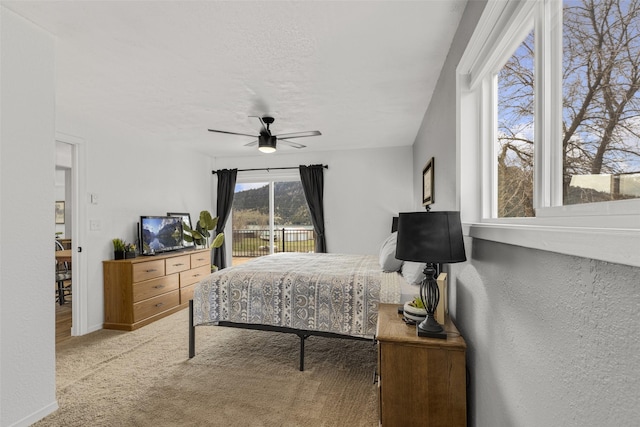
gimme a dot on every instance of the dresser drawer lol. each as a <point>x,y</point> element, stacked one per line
<point>186,293</point>
<point>200,259</point>
<point>155,305</point>
<point>148,270</point>
<point>194,276</point>
<point>155,287</point>
<point>177,264</point>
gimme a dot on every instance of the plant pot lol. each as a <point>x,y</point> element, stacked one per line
<point>128,255</point>
<point>118,254</point>
<point>414,313</point>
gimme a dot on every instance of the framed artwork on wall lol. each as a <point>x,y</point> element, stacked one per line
<point>186,219</point>
<point>59,212</point>
<point>427,184</point>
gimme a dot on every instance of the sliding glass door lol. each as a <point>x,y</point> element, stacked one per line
<point>270,217</point>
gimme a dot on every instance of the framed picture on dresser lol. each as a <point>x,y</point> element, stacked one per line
<point>427,183</point>
<point>186,219</point>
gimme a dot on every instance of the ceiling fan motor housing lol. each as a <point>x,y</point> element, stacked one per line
<point>267,143</point>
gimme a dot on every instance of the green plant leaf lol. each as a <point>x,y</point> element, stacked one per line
<point>207,221</point>
<point>214,223</point>
<point>217,242</point>
<point>118,244</point>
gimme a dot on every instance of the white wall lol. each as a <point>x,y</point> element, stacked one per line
<point>552,339</point>
<point>27,123</point>
<point>363,190</point>
<point>121,166</point>
<point>130,178</point>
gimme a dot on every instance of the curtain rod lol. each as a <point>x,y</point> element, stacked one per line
<point>268,169</point>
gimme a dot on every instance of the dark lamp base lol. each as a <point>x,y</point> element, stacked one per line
<point>429,327</point>
<point>431,334</point>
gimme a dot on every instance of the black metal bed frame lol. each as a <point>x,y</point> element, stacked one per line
<point>302,334</point>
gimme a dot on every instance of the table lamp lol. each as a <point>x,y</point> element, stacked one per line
<point>430,238</point>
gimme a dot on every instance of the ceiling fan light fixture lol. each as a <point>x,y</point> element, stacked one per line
<point>267,144</point>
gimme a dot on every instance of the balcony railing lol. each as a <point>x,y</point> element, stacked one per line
<point>255,242</point>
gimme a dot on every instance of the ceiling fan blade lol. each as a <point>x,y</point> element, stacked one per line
<point>291,143</point>
<point>252,143</point>
<point>299,134</point>
<point>232,133</point>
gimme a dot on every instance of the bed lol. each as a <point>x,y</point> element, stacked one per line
<point>307,294</point>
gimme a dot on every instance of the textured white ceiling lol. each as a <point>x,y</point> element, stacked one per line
<point>361,72</point>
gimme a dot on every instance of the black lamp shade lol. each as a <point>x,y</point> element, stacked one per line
<point>430,237</point>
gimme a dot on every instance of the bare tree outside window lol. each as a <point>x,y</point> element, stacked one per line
<point>601,109</point>
<point>515,133</point>
<point>601,104</point>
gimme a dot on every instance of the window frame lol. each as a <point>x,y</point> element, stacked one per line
<point>608,231</point>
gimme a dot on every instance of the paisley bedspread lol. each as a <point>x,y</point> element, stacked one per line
<point>336,293</point>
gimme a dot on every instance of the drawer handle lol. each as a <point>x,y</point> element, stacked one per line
<point>375,376</point>
<point>158,287</point>
<point>151,270</point>
<point>160,304</point>
<point>196,275</point>
<point>178,264</point>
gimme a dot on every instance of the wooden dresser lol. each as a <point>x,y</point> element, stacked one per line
<point>421,381</point>
<point>140,290</point>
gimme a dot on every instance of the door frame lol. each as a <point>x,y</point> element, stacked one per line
<point>79,289</point>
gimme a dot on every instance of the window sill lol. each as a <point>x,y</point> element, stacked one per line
<point>614,245</point>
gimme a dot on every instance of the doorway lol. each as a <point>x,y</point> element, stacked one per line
<point>70,165</point>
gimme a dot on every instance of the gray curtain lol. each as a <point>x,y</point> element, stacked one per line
<point>312,178</point>
<point>226,188</point>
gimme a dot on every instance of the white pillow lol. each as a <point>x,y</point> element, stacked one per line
<point>413,272</point>
<point>388,260</point>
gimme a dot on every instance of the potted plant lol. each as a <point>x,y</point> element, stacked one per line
<point>118,248</point>
<point>200,235</point>
<point>415,310</point>
<point>129,250</point>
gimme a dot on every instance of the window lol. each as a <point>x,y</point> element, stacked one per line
<point>515,142</point>
<point>549,101</point>
<point>601,101</point>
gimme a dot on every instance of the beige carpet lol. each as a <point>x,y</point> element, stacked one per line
<point>238,378</point>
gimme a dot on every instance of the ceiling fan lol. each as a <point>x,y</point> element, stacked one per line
<point>266,141</point>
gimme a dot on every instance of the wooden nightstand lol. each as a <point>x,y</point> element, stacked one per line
<point>421,381</point>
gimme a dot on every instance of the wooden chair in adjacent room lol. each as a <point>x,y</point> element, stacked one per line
<point>63,278</point>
